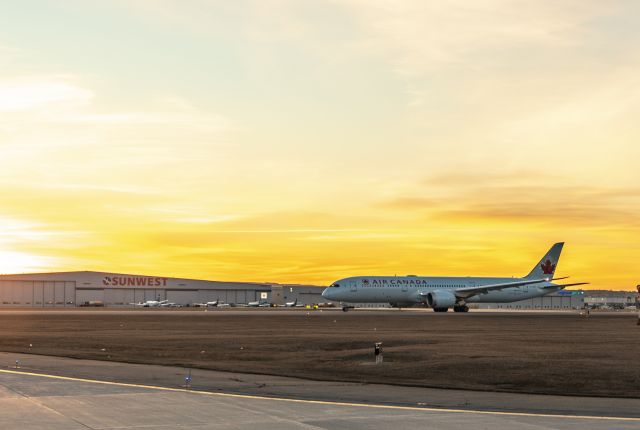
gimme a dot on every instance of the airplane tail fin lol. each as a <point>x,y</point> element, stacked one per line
<point>547,266</point>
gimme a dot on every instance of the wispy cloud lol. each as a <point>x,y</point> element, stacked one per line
<point>24,94</point>
<point>520,196</point>
<point>62,99</point>
<point>423,36</point>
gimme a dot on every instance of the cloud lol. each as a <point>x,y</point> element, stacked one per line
<point>22,262</point>
<point>56,131</point>
<point>63,100</point>
<point>8,54</point>
<point>520,197</point>
<point>409,203</point>
<point>37,93</point>
<point>423,36</point>
<point>98,188</point>
<point>25,245</point>
<point>512,177</point>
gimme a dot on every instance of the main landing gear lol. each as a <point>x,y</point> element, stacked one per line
<point>457,308</point>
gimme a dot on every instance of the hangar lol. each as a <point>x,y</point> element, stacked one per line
<point>71,289</point>
<point>563,299</point>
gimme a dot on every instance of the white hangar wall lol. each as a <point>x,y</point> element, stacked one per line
<point>70,289</point>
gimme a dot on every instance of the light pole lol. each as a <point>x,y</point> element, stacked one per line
<point>638,304</point>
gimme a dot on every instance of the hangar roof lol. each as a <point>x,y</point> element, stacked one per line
<point>92,279</point>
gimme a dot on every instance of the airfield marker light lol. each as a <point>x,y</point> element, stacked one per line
<point>378,352</point>
<point>17,364</point>
<point>187,380</point>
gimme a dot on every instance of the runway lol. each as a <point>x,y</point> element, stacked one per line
<point>29,400</point>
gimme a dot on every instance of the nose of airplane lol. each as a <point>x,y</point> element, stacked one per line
<point>326,294</point>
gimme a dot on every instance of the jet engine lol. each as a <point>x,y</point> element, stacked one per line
<point>441,299</point>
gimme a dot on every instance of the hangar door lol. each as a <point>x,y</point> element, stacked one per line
<point>144,295</point>
<point>181,297</point>
<point>85,297</point>
<point>117,297</point>
<point>241,297</point>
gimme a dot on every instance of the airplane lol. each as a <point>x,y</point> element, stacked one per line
<point>291,304</point>
<point>442,293</point>
<point>151,303</point>
<point>258,304</point>
<point>213,304</point>
<point>326,305</point>
<point>170,305</point>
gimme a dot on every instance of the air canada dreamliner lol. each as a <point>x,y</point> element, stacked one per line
<point>442,293</point>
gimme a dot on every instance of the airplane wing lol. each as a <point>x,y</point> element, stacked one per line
<point>483,289</point>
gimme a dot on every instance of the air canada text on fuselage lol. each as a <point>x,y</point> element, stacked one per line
<point>393,281</point>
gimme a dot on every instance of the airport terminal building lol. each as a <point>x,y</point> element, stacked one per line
<point>71,289</point>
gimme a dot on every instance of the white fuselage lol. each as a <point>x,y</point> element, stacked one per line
<point>410,290</point>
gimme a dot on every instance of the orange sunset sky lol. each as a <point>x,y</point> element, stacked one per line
<point>305,141</point>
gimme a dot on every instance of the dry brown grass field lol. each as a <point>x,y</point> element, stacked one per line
<point>524,352</point>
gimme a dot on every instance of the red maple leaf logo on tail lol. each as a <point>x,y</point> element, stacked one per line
<point>548,267</point>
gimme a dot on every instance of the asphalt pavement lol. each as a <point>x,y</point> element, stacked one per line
<point>60,393</point>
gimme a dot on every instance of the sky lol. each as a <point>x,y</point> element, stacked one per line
<point>305,141</point>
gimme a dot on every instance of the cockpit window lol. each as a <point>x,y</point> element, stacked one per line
<point>336,285</point>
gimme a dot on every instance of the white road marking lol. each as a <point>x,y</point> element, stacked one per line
<point>322,402</point>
